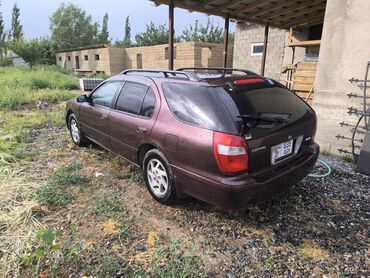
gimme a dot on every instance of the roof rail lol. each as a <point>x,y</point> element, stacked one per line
<point>166,73</point>
<point>218,69</point>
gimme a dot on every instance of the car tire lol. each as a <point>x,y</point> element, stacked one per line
<point>158,177</point>
<point>76,133</point>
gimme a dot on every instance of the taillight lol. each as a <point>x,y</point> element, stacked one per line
<point>249,81</point>
<point>231,152</point>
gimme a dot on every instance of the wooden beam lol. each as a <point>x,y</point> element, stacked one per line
<point>171,33</point>
<point>304,43</point>
<point>265,41</point>
<point>227,6</point>
<point>226,39</point>
<point>280,10</point>
<point>305,21</point>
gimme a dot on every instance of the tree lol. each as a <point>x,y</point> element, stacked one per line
<point>127,38</point>
<point>153,35</point>
<point>71,27</point>
<point>203,33</point>
<point>104,33</point>
<point>16,31</point>
<point>3,35</point>
<point>30,51</point>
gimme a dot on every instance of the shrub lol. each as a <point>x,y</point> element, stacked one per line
<point>6,62</point>
<point>40,84</point>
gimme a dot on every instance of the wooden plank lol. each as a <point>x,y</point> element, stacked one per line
<point>307,65</point>
<point>304,43</point>
<point>305,73</point>
<point>304,80</point>
<point>302,87</point>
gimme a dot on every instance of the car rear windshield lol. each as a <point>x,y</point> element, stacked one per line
<point>220,108</point>
<point>266,100</point>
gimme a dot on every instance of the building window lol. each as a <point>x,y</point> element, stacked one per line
<point>257,49</point>
<point>86,58</point>
<point>60,58</point>
<point>69,58</point>
<point>167,53</point>
<point>97,58</point>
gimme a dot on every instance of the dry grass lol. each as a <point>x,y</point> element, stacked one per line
<point>313,252</point>
<point>17,205</point>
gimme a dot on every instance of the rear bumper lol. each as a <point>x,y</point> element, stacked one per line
<point>240,191</point>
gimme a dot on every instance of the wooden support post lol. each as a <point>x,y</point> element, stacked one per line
<point>226,38</point>
<point>171,34</point>
<point>265,41</point>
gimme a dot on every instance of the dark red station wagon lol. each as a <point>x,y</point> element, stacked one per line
<point>225,136</point>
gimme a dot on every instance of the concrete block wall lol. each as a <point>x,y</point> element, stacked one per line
<point>344,52</point>
<point>114,60</point>
<point>103,64</point>
<point>246,35</point>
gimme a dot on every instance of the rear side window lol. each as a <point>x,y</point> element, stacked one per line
<point>197,105</point>
<point>136,99</point>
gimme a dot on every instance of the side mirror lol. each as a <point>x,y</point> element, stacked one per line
<point>82,98</point>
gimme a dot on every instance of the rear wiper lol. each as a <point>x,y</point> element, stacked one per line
<point>276,120</point>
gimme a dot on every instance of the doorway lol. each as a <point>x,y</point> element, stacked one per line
<point>77,61</point>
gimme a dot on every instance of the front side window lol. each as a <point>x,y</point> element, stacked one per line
<point>136,99</point>
<point>105,93</point>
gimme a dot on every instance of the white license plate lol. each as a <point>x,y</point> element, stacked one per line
<point>281,150</point>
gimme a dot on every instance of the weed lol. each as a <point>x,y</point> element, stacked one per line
<point>42,251</point>
<point>55,192</point>
<point>325,152</point>
<point>107,208</point>
<point>68,175</point>
<point>269,264</point>
<point>173,261</point>
<point>111,266</point>
<point>347,158</point>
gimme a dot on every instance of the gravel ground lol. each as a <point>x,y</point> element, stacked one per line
<point>320,227</point>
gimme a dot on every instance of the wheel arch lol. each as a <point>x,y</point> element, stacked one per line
<point>143,149</point>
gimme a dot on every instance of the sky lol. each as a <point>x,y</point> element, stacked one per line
<point>35,15</point>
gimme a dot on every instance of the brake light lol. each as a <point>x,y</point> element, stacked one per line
<point>231,152</point>
<point>249,81</point>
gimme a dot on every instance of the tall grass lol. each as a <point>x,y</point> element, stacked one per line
<point>21,85</point>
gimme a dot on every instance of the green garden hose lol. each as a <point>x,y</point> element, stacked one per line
<point>322,175</point>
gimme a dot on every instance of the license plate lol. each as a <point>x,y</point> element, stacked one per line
<point>280,151</point>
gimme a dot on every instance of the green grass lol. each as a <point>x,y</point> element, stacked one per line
<point>21,85</point>
<point>173,260</point>
<point>56,192</point>
<point>106,207</point>
<point>15,129</point>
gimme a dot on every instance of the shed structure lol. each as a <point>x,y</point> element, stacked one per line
<point>343,49</point>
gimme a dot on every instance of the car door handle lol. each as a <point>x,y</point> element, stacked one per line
<point>140,129</point>
<point>103,116</point>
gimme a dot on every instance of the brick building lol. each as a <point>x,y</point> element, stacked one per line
<point>112,60</point>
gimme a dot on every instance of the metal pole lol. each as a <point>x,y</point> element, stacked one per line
<point>265,40</point>
<point>226,38</point>
<point>171,34</point>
